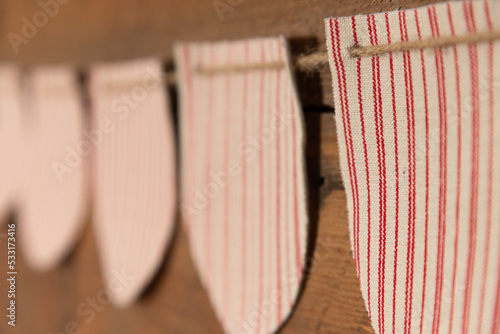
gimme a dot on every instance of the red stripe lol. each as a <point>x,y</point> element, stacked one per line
<point>286,211</point>
<point>379,127</point>
<point>347,125</point>
<point>261,198</point>
<point>442,172</point>
<point>410,113</point>
<point>208,162</point>
<point>396,167</point>
<point>490,168</point>
<point>426,225</point>
<point>495,327</point>
<point>271,244</point>
<point>360,100</point>
<point>437,294</point>
<point>227,122</point>
<point>244,184</point>
<point>459,171</point>
<point>365,151</point>
<point>383,191</point>
<point>278,188</point>
<point>471,26</point>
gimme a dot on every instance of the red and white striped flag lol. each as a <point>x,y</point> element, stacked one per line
<point>53,186</point>
<point>419,137</point>
<point>133,173</point>
<point>243,182</point>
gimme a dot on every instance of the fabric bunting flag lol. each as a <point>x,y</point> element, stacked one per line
<point>53,190</point>
<point>418,119</point>
<point>10,137</point>
<point>133,173</point>
<point>243,183</point>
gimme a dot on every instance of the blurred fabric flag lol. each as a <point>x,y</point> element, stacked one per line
<point>132,173</point>
<point>243,178</point>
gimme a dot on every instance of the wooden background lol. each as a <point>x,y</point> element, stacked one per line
<point>98,31</point>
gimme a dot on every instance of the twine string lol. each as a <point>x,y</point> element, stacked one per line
<point>317,61</point>
<point>439,42</point>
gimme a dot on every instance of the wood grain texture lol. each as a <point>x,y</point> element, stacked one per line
<point>94,30</point>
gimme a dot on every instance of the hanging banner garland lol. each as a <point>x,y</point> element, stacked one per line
<point>418,131</point>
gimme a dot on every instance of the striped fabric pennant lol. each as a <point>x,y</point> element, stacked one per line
<point>10,137</point>
<point>53,192</point>
<point>419,137</point>
<point>243,182</point>
<point>133,173</point>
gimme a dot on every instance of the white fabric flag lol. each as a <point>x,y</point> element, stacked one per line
<point>243,178</point>
<point>10,137</point>
<point>133,173</point>
<point>53,188</point>
<point>419,139</point>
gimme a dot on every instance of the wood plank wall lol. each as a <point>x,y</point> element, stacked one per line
<point>82,32</point>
